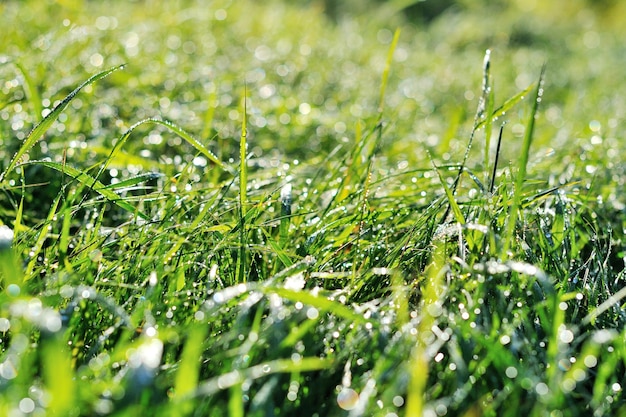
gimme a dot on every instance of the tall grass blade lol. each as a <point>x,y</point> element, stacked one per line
<point>285,214</point>
<point>41,128</point>
<point>243,185</point>
<point>383,84</point>
<point>456,210</point>
<point>419,361</point>
<point>480,112</point>
<point>186,380</point>
<point>32,93</point>
<point>59,376</point>
<point>495,162</point>
<point>41,238</point>
<point>523,162</point>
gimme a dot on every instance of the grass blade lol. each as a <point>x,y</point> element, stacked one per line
<point>523,162</point>
<point>41,238</point>
<point>41,128</point>
<point>194,142</point>
<point>92,182</point>
<point>456,210</point>
<point>383,84</point>
<point>508,105</point>
<point>135,180</point>
<point>31,90</point>
<point>243,198</point>
<point>259,371</point>
<point>172,127</point>
<point>320,302</point>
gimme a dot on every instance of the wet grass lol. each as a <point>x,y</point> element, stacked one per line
<point>268,212</point>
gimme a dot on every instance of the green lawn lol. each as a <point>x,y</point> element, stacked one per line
<point>312,208</point>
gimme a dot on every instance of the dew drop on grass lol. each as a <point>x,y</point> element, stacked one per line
<point>27,405</point>
<point>347,398</point>
<point>5,324</point>
<point>590,361</point>
<point>312,313</point>
<point>542,389</point>
<point>511,372</point>
<point>566,336</point>
<point>13,290</point>
<point>564,365</point>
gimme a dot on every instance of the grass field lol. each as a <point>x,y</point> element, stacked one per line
<point>309,208</point>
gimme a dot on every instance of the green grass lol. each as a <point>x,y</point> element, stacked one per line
<point>251,208</point>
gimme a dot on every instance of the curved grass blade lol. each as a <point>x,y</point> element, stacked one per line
<point>92,182</point>
<point>137,179</point>
<point>41,128</point>
<point>172,127</point>
<point>319,302</point>
<point>232,378</point>
<point>195,143</point>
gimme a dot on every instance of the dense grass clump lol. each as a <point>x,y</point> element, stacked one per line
<point>244,208</point>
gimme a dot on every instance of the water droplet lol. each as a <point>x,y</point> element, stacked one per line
<point>590,361</point>
<point>511,372</point>
<point>13,290</point>
<point>347,398</point>
<point>27,405</point>
<point>542,389</point>
<point>312,313</point>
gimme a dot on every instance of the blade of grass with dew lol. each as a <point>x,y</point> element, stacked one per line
<point>364,209</point>
<point>188,373</point>
<point>32,93</point>
<point>320,302</point>
<point>235,400</point>
<point>64,238</point>
<point>195,143</point>
<point>232,378</point>
<point>508,105</point>
<point>495,162</point>
<point>172,127</point>
<point>207,122</point>
<point>243,198</point>
<point>58,375</point>
<point>41,238</point>
<point>343,189</point>
<point>489,120</point>
<point>41,128</point>
<point>521,171</point>
<point>456,210</point>
<point>419,361</point>
<point>90,181</point>
<point>480,111</point>
<point>383,84</point>
<point>285,215</point>
<point>133,181</point>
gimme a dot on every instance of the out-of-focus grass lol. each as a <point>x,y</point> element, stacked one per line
<point>311,252</point>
